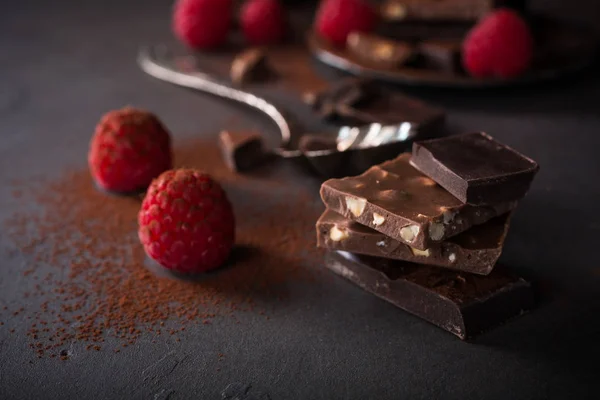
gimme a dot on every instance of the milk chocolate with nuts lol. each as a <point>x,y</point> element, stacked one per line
<point>397,200</point>
<point>475,251</point>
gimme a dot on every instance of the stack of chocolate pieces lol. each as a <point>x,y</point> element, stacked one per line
<point>424,231</point>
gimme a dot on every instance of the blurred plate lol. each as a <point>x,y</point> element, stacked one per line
<point>561,50</point>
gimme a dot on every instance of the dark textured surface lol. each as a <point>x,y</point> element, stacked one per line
<point>62,66</point>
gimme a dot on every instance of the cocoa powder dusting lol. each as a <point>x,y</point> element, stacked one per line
<point>100,284</point>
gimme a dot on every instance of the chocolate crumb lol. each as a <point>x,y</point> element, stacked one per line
<point>250,66</point>
<point>241,151</point>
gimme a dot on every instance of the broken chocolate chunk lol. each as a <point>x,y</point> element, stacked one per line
<point>250,66</point>
<point>361,102</point>
<point>378,51</point>
<point>443,10</point>
<point>416,31</point>
<point>475,168</point>
<point>241,150</point>
<point>313,142</point>
<point>344,92</point>
<point>390,108</point>
<point>441,55</point>
<point>463,304</point>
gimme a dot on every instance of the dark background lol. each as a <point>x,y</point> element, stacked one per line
<point>62,64</point>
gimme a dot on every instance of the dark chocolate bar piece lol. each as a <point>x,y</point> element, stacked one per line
<point>463,304</point>
<point>475,251</point>
<point>346,92</point>
<point>250,66</point>
<point>378,51</point>
<point>388,107</point>
<point>361,102</point>
<point>397,200</point>
<point>442,55</point>
<point>311,142</point>
<point>241,150</point>
<point>475,168</point>
<point>436,10</point>
<point>443,10</point>
<point>415,31</point>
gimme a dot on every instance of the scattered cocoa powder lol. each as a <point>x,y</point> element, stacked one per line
<point>100,284</point>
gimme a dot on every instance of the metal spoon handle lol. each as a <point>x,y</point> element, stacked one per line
<point>155,66</point>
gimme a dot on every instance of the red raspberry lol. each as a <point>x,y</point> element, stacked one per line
<point>336,19</point>
<point>129,148</point>
<point>263,21</point>
<point>500,45</point>
<point>202,24</point>
<point>186,222</point>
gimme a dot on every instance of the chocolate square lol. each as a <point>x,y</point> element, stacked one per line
<point>241,150</point>
<point>475,168</point>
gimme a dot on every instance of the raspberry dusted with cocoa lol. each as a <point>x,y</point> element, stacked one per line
<point>203,24</point>
<point>130,147</point>
<point>263,21</point>
<point>186,222</point>
<point>336,19</point>
<point>500,45</point>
